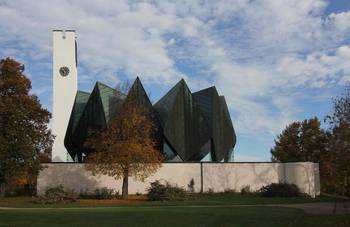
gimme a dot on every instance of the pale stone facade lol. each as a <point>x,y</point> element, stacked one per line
<point>207,176</point>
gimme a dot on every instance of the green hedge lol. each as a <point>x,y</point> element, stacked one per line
<point>280,190</point>
<point>161,192</point>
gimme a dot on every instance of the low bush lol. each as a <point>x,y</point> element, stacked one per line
<point>99,193</point>
<point>20,190</point>
<point>210,191</point>
<point>56,195</point>
<point>160,192</point>
<point>104,193</point>
<point>280,190</point>
<point>229,191</point>
<point>191,186</point>
<point>246,190</point>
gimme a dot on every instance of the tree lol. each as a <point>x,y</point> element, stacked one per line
<point>339,122</point>
<point>287,145</point>
<point>301,142</point>
<point>24,136</point>
<point>305,142</point>
<point>127,147</point>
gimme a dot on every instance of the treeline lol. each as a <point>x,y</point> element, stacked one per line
<point>306,141</point>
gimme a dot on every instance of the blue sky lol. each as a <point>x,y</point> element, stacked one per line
<point>275,61</point>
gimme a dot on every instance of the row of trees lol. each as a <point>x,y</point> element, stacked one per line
<point>307,141</point>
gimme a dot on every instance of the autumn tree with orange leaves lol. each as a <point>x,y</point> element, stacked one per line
<point>127,148</point>
<point>25,139</point>
<point>339,122</point>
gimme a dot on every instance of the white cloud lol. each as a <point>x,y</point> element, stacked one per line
<point>341,20</point>
<point>277,49</point>
<point>258,53</point>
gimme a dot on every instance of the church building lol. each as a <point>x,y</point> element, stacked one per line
<point>194,126</point>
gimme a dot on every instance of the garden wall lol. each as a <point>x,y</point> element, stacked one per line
<point>207,176</point>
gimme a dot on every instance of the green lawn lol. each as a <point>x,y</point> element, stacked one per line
<point>170,216</point>
<point>182,213</point>
<point>198,199</point>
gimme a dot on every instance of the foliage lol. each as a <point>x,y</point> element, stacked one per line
<point>191,186</point>
<point>301,142</point>
<point>161,192</point>
<point>341,110</point>
<point>20,189</point>
<point>56,195</point>
<point>24,136</point>
<point>304,142</point>
<point>230,191</point>
<point>339,159</point>
<point>127,147</point>
<point>104,193</point>
<point>99,193</point>
<point>280,190</point>
<point>246,190</point>
<point>210,191</point>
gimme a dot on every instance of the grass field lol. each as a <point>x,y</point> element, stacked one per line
<point>170,216</point>
<point>198,199</point>
<point>204,210</point>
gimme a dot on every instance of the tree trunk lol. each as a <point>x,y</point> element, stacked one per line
<point>2,190</point>
<point>125,184</point>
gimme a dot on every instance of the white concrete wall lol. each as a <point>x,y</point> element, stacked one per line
<point>225,176</point>
<point>216,176</point>
<point>64,89</point>
<point>305,176</point>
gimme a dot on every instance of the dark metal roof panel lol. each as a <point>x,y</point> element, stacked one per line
<point>164,106</point>
<point>79,105</point>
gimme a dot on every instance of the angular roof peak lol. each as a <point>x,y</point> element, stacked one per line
<point>193,124</point>
<point>138,93</point>
<point>209,90</point>
<point>182,82</point>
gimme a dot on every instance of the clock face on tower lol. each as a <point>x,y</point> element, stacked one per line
<point>64,71</point>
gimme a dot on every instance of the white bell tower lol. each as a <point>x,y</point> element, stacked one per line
<point>65,85</point>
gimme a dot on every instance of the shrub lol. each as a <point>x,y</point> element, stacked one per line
<point>20,190</point>
<point>210,191</point>
<point>99,193</point>
<point>161,192</point>
<point>229,191</point>
<point>246,190</point>
<point>85,194</point>
<point>191,186</point>
<point>280,190</point>
<point>104,193</point>
<point>57,194</point>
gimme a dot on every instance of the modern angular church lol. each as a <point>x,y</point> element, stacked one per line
<point>194,126</point>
